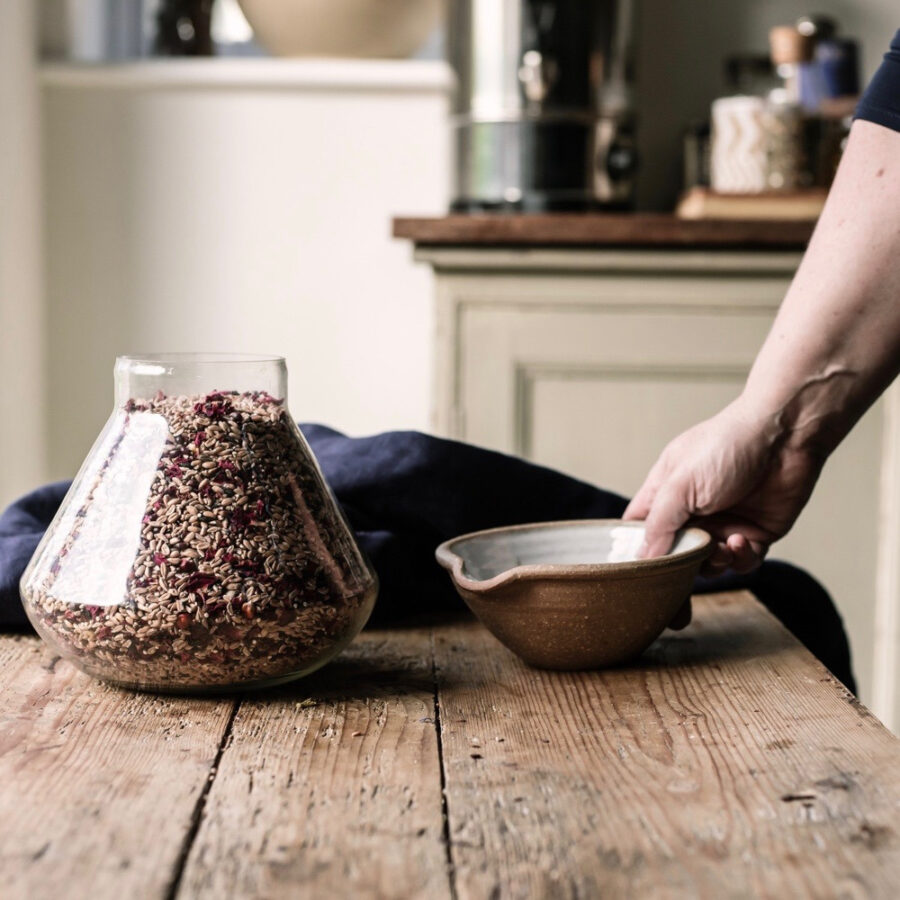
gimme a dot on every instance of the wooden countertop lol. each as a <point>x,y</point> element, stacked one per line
<point>602,230</point>
<point>429,762</point>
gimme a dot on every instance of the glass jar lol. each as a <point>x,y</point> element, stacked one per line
<point>199,547</point>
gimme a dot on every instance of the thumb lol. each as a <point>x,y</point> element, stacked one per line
<point>640,504</point>
<point>667,514</point>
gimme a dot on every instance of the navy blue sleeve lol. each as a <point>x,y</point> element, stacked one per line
<point>881,101</point>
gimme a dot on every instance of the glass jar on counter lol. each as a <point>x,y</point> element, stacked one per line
<point>787,123</point>
<point>199,547</point>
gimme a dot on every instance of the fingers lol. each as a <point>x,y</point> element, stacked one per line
<point>735,551</point>
<point>747,555</point>
<point>638,508</point>
<point>642,501</point>
<point>667,514</point>
<point>720,560</point>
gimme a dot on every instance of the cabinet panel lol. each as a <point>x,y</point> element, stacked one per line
<point>501,349</point>
<point>607,426</point>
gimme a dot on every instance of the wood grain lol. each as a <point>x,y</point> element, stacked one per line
<point>98,786</point>
<point>601,230</point>
<point>727,763</point>
<point>331,787</point>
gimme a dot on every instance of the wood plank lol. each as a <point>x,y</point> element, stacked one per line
<point>98,786</point>
<point>601,230</point>
<point>726,763</point>
<point>338,795</point>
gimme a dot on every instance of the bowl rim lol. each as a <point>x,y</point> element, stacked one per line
<point>635,568</point>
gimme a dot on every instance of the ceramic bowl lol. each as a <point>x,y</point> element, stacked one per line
<point>348,28</point>
<point>573,595</point>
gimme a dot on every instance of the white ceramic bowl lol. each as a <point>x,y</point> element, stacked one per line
<point>486,555</point>
<point>573,595</point>
<point>354,28</point>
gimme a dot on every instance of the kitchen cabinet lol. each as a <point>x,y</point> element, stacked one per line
<point>590,356</point>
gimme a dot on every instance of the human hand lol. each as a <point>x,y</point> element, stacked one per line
<point>736,477</point>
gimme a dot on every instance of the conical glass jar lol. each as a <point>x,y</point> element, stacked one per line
<point>199,547</point>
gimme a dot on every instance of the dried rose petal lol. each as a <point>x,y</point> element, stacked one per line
<point>214,406</point>
<point>199,634</point>
<point>241,519</point>
<point>200,580</point>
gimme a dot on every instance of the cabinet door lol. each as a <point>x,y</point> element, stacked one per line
<point>595,392</point>
<point>597,389</point>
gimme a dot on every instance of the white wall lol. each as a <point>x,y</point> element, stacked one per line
<point>21,310</point>
<point>242,206</point>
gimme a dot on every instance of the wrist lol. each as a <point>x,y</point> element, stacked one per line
<point>811,415</point>
<point>757,415</point>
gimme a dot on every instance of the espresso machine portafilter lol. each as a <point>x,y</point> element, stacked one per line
<point>543,112</point>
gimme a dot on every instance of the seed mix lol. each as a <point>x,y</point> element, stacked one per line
<point>245,570</point>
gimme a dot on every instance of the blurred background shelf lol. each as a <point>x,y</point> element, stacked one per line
<point>602,229</point>
<point>255,73</point>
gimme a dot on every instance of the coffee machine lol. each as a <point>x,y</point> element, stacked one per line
<point>543,115</point>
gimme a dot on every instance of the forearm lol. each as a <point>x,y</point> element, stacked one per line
<point>835,344</point>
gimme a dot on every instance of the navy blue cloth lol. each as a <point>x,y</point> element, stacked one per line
<point>881,101</point>
<point>405,492</point>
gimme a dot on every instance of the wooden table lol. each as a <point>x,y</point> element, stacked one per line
<point>428,762</point>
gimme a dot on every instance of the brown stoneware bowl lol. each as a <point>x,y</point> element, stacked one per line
<point>573,595</point>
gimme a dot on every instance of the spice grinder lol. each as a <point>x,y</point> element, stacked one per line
<point>543,115</point>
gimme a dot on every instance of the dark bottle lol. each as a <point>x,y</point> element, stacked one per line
<point>183,28</point>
